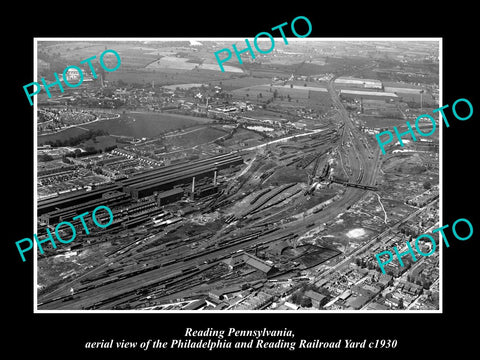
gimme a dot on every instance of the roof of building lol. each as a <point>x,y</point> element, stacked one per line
<point>257,263</point>
<point>371,288</point>
<point>167,193</point>
<point>352,80</point>
<point>376,306</point>
<point>345,295</point>
<point>368,93</point>
<point>195,304</point>
<point>357,302</point>
<point>221,306</point>
<point>217,292</point>
<point>314,295</point>
<point>250,260</point>
<point>385,278</point>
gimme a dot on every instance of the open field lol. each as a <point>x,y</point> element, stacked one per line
<point>196,136</point>
<point>147,125</point>
<point>216,67</point>
<point>131,56</point>
<point>172,62</point>
<point>267,91</point>
<point>133,124</point>
<point>62,135</point>
<point>241,82</point>
<point>167,76</point>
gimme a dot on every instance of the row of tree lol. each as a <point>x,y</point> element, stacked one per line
<point>75,140</point>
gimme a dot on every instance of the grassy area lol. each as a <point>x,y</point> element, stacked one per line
<point>168,76</point>
<point>196,136</point>
<point>62,135</point>
<point>100,142</point>
<point>133,124</point>
<point>140,125</point>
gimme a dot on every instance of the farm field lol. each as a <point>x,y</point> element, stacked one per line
<point>167,76</point>
<point>267,91</point>
<point>172,62</point>
<point>181,63</point>
<point>216,67</point>
<point>241,82</point>
<point>131,56</point>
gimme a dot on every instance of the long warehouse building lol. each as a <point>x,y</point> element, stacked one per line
<point>222,161</point>
<point>141,180</point>
<point>166,181</point>
<point>75,198</point>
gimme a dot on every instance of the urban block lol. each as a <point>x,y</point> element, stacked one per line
<point>64,224</point>
<point>423,116</point>
<point>419,251</point>
<point>255,42</point>
<point>64,75</point>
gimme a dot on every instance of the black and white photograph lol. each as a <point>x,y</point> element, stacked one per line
<point>254,186</point>
<point>218,180</point>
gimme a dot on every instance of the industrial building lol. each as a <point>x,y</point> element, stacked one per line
<point>167,197</point>
<point>75,198</point>
<point>375,95</point>
<point>146,183</point>
<point>242,258</point>
<point>168,182</point>
<point>357,82</point>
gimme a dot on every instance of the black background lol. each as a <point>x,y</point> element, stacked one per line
<point>63,335</point>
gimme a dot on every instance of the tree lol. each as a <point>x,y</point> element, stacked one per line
<point>45,157</point>
<point>427,185</point>
<point>400,304</point>
<point>306,302</point>
<point>296,297</point>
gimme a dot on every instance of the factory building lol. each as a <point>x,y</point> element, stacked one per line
<point>242,258</point>
<point>168,182</point>
<point>65,214</point>
<point>358,83</point>
<point>147,183</point>
<point>167,197</point>
<point>76,198</point>
<point>374,95</point>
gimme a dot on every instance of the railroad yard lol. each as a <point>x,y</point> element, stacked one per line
<point>272,194</point>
